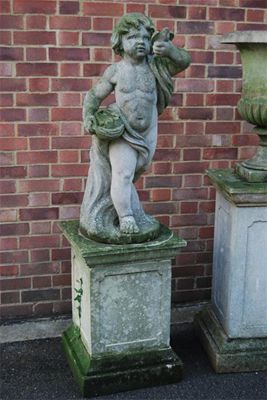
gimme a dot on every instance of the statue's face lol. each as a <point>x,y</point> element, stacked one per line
<point>136,43</point>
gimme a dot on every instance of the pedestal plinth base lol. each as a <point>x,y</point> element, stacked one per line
<point>226,354</point>
<point>111,373</point>
<point>121,297</point>
<point>251,175</point>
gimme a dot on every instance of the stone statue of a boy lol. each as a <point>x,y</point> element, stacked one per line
<point>125,133</point>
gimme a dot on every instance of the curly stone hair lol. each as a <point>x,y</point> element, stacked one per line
<point>132,20</point>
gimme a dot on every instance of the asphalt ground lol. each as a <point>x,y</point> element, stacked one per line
<point>37,370</point>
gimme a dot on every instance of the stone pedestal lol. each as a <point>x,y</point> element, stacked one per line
<point>119,339</point>
<point>234,330</point>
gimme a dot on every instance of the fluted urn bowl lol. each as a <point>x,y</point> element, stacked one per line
<point>253,103</point>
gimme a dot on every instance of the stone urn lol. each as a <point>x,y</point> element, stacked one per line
<point>253,103</point>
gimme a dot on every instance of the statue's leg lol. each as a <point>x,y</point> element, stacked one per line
<point>123,159</point>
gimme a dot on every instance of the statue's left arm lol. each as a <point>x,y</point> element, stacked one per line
<point>177,59</point>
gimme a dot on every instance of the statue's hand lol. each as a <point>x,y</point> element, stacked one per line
<point>163,48</point>
<point>89,123</point>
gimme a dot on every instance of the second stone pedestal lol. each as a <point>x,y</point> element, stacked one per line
<point>234,330</point>
<point>120,335</point>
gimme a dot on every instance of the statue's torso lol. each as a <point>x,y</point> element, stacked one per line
<point>136,94</point>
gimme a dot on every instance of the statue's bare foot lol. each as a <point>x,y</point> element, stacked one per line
<point>128,225</point>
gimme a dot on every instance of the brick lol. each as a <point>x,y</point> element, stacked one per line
<point>13,172</point>
<point>196,42</point>
<point>15,284</point>
<point>14,229</point>
<point>34,99</point>
<point>189,207</point>
<point>190,194</point>
<point>66,114</point>
<point>33,157</point>
<point>61,254</point>
<point>67,198</point>
<point>9,270</point>
<point>224,72</point>
<point>68,38</point>
<point>39,282</point>
<point>163,181</point>
<point>38,214</point>
<point>36,54</point>
<point>196,113</point>
<point>6,100</point>
<point>8,186</point>
<point>195,99</point>
<point>5,38</point>
<point>11,114</point>
<point>13,144</point>
<point>193,27</point>
<point>72,185</point>
<point>11,22</point>
<point>69,212</point>
<point>11,54</point>
<point>94,69</point>
<point>222,99</point>
<point>197,13</point>
<point>39,185</point>
<point>14,200</point>
<point>160,208</point>
<point>40,255</point>
<point>70,99</point>
<point>34,37</point>
<point>69,7</point>
<point>102,24</point>
<point>158,11</point>
<point>69,69</point>
<point>69,170</point>
<point>228,14</point>
<point>222,127</point>
<point>161,195</point>
<point>219,153</point>
<point>5,70</point>
<point>40,268</point>
<point>14,257</point>
<point>96,39</point>
<point>68,53</point>
<point>167,155</point>
<point>102,9</point>
<point>103,54</point>
<point>7,158</point>
<point>61,280</point>
<point>70,143</point>
<point>8,243</point>
<point>35,69</point>
<point>70,23</point>
<point>43,241</point>
<point>70,84</point>
<point>185,283</point>
<point>39,295</point>
<point>33,7</point>
<point>39,228</point>
<point>38,114</point>
<point>195,85</point>
<point>185,296</point>
<point>181,271</point>
<point>255,15</point>
<point>37,129</point>
<point>38,84</point>
<point>36,22</point>
<point>41,143</point>
<point>13,311</point>
<point>253,3</point>
<point>68,156</point>
<point>206,232</point>
<point>39,199</point>
<point>204,282</point>
<point>192,180</point>
<point>38,171</point>
<point>10,297</point>
<point>5,6</point>
<point>8,216</point>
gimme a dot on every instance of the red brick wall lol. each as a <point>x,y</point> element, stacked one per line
<point>52,52</point>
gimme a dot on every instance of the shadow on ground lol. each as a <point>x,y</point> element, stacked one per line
<point>37,370</point>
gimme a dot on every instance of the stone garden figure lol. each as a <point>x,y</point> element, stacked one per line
<point>125,133</point>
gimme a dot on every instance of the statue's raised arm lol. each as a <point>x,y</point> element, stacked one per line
<point>125,133</point>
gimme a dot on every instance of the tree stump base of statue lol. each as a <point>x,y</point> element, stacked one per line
<point>119,339</point>
<point>234,330</point>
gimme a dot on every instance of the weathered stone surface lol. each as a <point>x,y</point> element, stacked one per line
<point>227,354</point>
<point>121,313</point>
<point>125,133</point>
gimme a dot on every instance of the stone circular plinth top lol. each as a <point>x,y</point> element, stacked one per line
<point>245,37</point>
